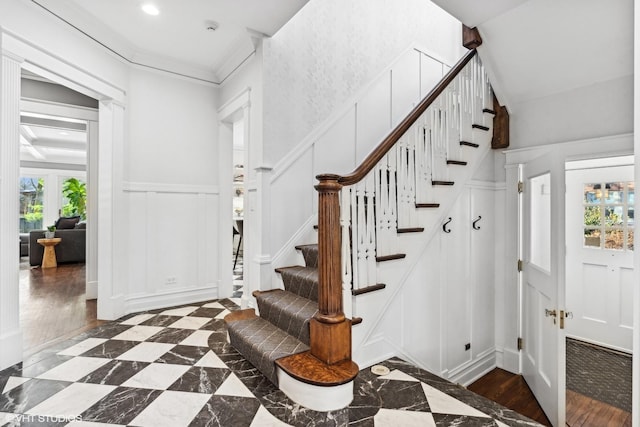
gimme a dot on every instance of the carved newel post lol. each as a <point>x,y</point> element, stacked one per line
<point>330,330</point>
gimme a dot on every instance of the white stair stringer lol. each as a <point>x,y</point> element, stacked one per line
<point>368,338</point>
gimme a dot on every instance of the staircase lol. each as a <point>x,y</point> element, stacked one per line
<point>302,337</point>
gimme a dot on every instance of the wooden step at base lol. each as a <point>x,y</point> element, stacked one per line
<point>306,368</point>
<point>481,127</point>
<point>248,313</point>
<point>427,205</point>
<point>356,321</point>
<point>469,144</point>
<point>390,257</point>
<point>410,230</point>
<point>456,162</point>
<point>372,288</point>
<point>442,182</point>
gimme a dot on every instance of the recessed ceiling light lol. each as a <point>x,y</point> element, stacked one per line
<point>150,9</point>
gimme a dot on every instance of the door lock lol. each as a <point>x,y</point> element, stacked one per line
<point>550,313</point>
<point>564,315</point>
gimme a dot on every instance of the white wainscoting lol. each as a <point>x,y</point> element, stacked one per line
<point>342,141</point>
<point>172,244</point>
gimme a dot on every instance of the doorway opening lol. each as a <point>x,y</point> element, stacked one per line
<point>238,192</point>
<point>58,272</point>
<point>599,225</point>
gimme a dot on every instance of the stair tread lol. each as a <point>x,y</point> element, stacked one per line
<point>306,368</point>
<point>288,311</point>
<point>310,254</point>
<point>261,343</point>
<point>300,280</point>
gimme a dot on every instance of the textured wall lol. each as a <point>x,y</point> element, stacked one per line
<point>331,48</point>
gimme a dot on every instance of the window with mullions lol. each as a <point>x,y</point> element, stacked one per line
<point>609,215</point>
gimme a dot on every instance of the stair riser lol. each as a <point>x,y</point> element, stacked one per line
<point>304,285</point>
<point>289,314</point>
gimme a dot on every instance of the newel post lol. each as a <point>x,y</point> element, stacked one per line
<point>330,330</point>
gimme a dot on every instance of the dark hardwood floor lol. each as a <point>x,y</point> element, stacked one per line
<point>53,305</point>
<point>512,391</point>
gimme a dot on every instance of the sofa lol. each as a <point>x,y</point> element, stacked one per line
<point>72,247</point>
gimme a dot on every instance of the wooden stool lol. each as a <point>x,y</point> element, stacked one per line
<point>49,257</point>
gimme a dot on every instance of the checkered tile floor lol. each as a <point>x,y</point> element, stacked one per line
<point>174,368</point>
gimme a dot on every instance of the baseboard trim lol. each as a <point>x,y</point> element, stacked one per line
<point>169,299</point>
<point>510,360</point>
<point>475,369</point>
<point>315,397</point>
<point>91,291</point>
<point>11,345</point>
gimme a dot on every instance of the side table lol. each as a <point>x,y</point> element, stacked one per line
<point>49,258</point>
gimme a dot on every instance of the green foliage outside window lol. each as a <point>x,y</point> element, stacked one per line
<point>76,193</point>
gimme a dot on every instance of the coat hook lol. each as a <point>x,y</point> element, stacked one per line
<point>444,226</point>
<point>476,227</point>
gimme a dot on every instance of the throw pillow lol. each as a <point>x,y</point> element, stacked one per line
<point>66,223</point>
<point>81,226</point>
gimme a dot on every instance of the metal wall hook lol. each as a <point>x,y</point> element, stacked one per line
<point>475,226</point>
<point>444,226</point>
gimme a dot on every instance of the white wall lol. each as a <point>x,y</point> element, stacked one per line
<point>331,49</point>
<point>598,110</point>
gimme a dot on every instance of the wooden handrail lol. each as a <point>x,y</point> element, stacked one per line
<point>379,152</point>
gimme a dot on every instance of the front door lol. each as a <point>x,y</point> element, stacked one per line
<point>599,224</point>
<point>540,314</point>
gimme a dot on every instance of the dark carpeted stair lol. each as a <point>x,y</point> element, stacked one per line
<point>283,326</point>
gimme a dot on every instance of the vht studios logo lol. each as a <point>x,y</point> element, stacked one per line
<point>27,418</point>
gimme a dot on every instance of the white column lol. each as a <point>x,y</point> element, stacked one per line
<point>10,332</point>
<point>92,211</point>
<point>112,251</point>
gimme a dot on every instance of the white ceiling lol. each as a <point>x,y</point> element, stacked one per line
<point>177,40</point>
<point>43,143</point>
<point>536,48</point>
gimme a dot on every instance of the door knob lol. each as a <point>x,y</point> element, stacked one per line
<point>551,313</point>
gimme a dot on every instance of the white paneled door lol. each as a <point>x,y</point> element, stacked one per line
<point>599,224</point>
<point>540,332</point>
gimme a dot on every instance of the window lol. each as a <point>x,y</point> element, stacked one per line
<point>31,203</point>
<point>609,215</point>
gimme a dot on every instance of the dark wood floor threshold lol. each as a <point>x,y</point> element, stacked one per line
<point>469,144</point>
<point>442,183</point>
<point>488,110</point>
<point>390,257</point>
<point>456,162</point>
<point>427,205</point>
<point>356,321</point>
<point>410,230</point>
<point>368,289</point>
<point>485,128</point>
<point>510,390</point>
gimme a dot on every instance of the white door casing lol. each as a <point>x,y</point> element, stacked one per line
<point>599,279</point>
<point>540,332</point>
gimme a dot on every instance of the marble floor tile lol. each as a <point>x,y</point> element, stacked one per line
<point>111,349</point>
<point>190,322</point>
<point>182,311</point>
<point>211,360</point>
<point>171,335</point>
<point>6,417</point>
<point>108,330</point>
<point>92,424</point>
<point>72,401</point>
<point>197,339</point>
<point>121,406</point>
<point>214,305</point>
<point>138,333</point>
<point>156,376</point>
<point>43,365</point>
<point>442,403</point>
<point>13,382</point>
<point>82,347</point>
<point>462,420</point>
<point>115,372</point>
<point>183,355</point>
<point>201,380</point>
<point>136,320</point>
<point>160,320</point>
<point>266,418</point>
<point>222,314</point>
<point>146,352</point>
<point>215,325</point>
<point>224,411</point>
<point>394,417</point>
<point>234,387</point>
<point>405,395</point>
<point>209,312</point>
<point>74,369</point>
<point>172,409</point>
<point>27,395</point>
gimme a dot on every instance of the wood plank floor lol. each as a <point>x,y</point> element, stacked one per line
<point>53,305</point>
<point>512,391</point>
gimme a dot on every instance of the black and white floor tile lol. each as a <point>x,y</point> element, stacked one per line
<point>175,368</point>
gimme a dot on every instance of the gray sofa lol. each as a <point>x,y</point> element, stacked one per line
<point>72,248</point>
